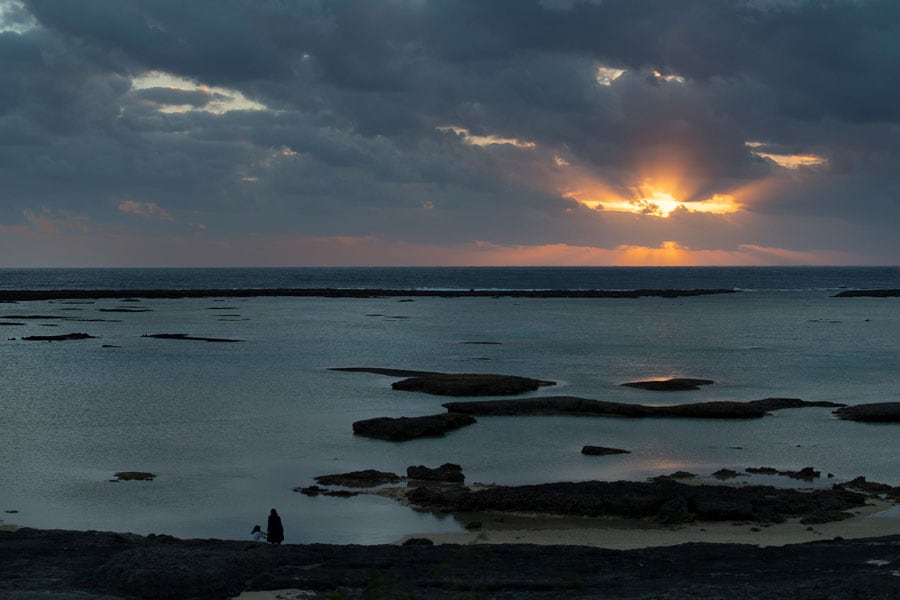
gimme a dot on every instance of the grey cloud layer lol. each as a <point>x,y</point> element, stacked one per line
<point>357,91</point>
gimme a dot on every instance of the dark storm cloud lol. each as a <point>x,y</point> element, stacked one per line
<point>351,135</point>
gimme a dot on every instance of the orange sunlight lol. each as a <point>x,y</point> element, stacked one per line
<point>648,199</point>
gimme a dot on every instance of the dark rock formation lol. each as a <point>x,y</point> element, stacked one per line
<point>726,474</point>
<point>455,384</point>
<point>470,384</point>
<point>676,384</point>
<point>674,476</point>
<point>602,451</point>
<point>447,473</point>
<point>634,499</point>
<point>58,338</point>
<point>366,478</point>
<point>134,476</point>
<point>71,565</point>
<point>879,412</point>
<point>770,404</point>
<point>570,405</point>
<point>806,473</point>
<point>417,541</point>
<point>184,336</point>
<point>868,293</point>
<point>407,428</point>
<point>860,484</point>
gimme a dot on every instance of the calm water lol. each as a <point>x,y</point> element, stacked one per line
<point>230,429</point>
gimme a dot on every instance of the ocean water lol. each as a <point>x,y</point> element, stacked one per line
<point>231,429</point>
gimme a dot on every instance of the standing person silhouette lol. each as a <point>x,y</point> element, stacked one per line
<point>275,530</point>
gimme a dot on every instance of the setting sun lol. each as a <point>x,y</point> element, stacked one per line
<point>647,199</point>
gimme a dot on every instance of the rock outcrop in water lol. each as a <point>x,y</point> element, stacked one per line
<point>456,384</point>
<point>574,406</point>
<point>879,412</point>
<point>676,384</point>
<point>73,565</point>
<point>446,473</point>
<point>407,428</point>
<point>664,500</point>
<point>58,338</point>
<point>187,337</point>
<point>365,478</point>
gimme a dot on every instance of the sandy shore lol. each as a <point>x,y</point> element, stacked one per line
<point>878,518</point>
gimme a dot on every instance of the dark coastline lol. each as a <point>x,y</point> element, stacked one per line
<point>70,565</point>
<point>72,294</point>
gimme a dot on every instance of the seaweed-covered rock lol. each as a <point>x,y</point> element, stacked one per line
<point>407,428</point>
<point>879,412</point>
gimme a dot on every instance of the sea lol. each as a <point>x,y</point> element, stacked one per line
<point>231,429</point>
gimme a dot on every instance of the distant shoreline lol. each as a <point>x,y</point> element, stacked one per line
<point>29,295</point>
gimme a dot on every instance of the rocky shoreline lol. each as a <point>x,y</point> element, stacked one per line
<point>76,565</point>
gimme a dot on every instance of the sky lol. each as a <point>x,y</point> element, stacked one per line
<point>449,132</point>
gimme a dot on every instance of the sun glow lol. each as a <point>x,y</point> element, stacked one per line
<point>648,199</point>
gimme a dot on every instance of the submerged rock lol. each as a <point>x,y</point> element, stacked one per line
<point>407,428</point>
<point>879,412</point>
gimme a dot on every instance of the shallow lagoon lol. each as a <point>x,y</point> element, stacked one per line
<point>231,429</point>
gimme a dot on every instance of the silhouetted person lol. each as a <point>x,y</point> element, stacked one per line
<point>275,529</point>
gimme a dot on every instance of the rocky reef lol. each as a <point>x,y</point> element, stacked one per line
<point>663,500</point>
<point>571,405</point>
<point>878,412</point>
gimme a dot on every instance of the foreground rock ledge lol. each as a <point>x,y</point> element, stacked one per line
<point>45,564</point>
